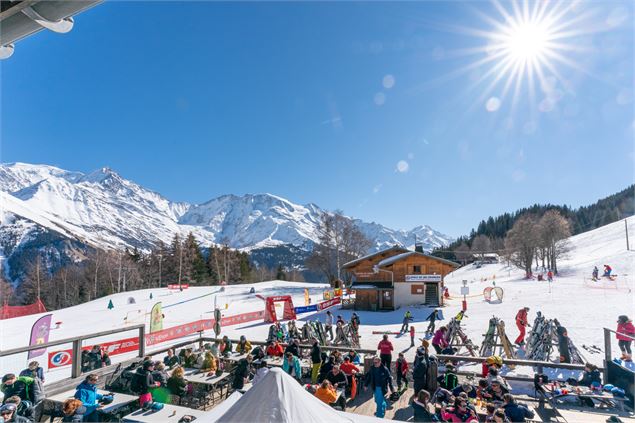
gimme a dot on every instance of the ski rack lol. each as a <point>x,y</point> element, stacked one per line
<point>455,333</point>
<point>496,338</point>
<point>543,341</point>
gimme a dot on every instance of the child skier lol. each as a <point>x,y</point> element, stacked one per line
<point>607,271</point>
<point>595,273</point>
<point>401,367</point>
<point>412,336</point>
<point>625,333</point>
<point>406,320</point>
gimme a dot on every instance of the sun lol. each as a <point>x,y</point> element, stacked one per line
<point>525,47</point>
<point>527,41</point>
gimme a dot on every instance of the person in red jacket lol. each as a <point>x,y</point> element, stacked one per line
<point>401,367</point>
<point>274,349</point>
<point>385,351</point>
<point>625,333</point>
<point>521,323</point>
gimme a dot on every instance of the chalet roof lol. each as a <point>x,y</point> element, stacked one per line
<point>377,253</point>
<point>391,260</point>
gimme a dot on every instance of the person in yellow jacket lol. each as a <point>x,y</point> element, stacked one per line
<point>209,363</point>
<point>243,346</point>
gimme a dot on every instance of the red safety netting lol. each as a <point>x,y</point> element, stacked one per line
<point>9,312</point>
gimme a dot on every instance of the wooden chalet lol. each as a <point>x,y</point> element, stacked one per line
<point>397,277</point>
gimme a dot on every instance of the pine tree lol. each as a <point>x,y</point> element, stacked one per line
<point>280,273</point>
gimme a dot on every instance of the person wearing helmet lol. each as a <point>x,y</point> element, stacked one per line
<point>521,323</point>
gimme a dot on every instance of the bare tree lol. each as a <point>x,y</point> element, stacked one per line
<point>339,242</point>
<point>481,245</point>
<point>553,229</point>
<point>462,253</point>
<point>521,242</point>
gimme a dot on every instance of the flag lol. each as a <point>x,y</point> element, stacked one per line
<point>40,334</point>
<point>156,318</point>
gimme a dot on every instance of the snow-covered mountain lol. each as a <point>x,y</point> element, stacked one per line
<point>105,210</point>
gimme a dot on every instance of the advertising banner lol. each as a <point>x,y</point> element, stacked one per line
<point>40,334</point>
<point>156,318</point>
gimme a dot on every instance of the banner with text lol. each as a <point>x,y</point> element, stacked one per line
<point>40,334</point>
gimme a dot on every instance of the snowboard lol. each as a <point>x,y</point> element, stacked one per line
<point>507,346</point>
<point>487,348</point>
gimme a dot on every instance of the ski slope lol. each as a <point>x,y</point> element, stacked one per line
<point>582,306</point>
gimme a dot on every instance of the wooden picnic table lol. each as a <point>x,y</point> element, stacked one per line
<point>169,413</point>
<point>119,400</point>
<point>305,363</point>
<point>578,392</point>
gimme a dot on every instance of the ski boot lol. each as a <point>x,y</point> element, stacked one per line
<point>628,358</point>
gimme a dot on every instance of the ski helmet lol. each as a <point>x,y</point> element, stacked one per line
<point>622,319</point>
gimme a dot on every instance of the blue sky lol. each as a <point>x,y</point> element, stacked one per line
<point>378,109</point>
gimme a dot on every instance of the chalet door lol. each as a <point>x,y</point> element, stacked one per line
<point>387,299</point>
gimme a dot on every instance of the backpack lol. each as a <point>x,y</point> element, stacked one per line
<point>136,384</point>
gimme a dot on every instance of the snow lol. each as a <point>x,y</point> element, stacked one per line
<point>582,306</point>
<point>110,211</point>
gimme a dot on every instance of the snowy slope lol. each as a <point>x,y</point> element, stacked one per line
<point>107,210</point>
<point>584,307</point>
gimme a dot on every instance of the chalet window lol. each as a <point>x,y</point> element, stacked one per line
<point>416,289</point>
<point>416,269</point>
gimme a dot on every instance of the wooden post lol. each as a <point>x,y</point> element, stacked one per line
<point>142,341</point>
<point>76,370</point>
<point>626,227</point>
<point>607,352</point>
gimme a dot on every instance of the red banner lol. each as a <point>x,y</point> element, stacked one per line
<point>177,286</point>
<point>63,358</point>
<point>329,303</point>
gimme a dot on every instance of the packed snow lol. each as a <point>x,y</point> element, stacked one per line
<point>584,307</point>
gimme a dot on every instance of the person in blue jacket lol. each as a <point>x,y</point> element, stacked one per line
<point>291,365</point>
<point>379,379</point>
<point>34,370</point>
<point>514,411</point>
<point>87,393</point>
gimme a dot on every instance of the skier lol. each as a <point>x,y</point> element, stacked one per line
<point>432,318</point>
<point>460,315</point>
<point>328,325</point>
<point>521,323</point>
<point>401,368</point>
<point>316,360</point>
<point>379,380</point>
<point>595,273</point>
<point>406,319</point>
<point>412,336</point>
<point>354,323</point>
<point>550,276</point>
<point>625,333</point>
<point>438,341</point>
<point>607,271</point>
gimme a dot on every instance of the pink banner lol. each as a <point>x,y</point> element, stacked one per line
<point>63,358</point>
<point>40,334</point>
<point>329,303</point>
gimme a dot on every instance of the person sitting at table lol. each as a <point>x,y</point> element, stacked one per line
<point>189,358</point>
<point>275,349</point>
<point>293,347</point>
<point>159,373</point>
<point>464,388</point>
<point>258,353</point>
<point>354,357</point>
<point>291,365</point>
<point>327,393</point>
<point>241,375</point>
<point>441,396</point>
<point>489,410</point>
<point>8,414</point>
<point>590,376</point>
<point>209,363</point>
<point>73,411</point>
<point>496,391</point>
<point>171,360</point>
<point>459,413</point>
<point>24,408</point>
<point>243,346</point>
<point>327,365</point>
<point>514,411</point>
<point>177,385</point>
<point>261,371</point>
<point>226,346</point>
<point>494,375</point>
<point>500,417</point>
<point>337,377</point>
<point>337,357</point>
<point>423,409</point>
<point>481,390</point>
<point>87,393</point>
